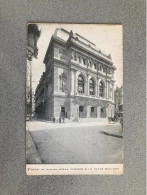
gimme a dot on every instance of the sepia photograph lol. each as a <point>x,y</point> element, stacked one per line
<point>74,98</point>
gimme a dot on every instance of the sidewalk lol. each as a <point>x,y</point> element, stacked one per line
<point>32,155</point>
<point>44,125</point>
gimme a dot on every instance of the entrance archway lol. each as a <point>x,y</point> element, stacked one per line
<point>93,112</point>
<point>63,112</point>
<point>82,113</point>
<point>103,112</point>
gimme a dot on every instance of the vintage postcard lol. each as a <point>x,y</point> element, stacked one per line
<point>74,99</point>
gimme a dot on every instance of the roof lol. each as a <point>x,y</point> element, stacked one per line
<point>75,38</point>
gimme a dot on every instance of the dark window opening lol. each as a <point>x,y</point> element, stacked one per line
<point>81,108</point>
<point>92,109</point>
<point>90,64</point>
<point>101,89</point>
<point>80,84</point>
<point>79,59</point>
<point>91,87</point>
<point>62,109</point>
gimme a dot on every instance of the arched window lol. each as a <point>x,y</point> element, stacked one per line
<point>62,81</point>
<point>91,87</point>
<point>101,89</point>
<point>80,84</point>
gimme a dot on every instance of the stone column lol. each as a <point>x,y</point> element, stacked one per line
<point>75,82</point>
<point>72,82</point>
<point>105,94</point>
<point>98,111</point>
<point>88,111</point>
<point>97,87</point>
<point>107,89</point>
<point>106,112</point>
<point>87,84</point>
<point>96,83</point>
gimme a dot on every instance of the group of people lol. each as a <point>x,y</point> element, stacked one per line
<point>61,118</point>
<point>116,118</point>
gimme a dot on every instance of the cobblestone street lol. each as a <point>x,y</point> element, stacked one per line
<point>77,143</point>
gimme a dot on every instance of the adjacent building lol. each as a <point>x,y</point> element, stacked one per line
<point>78,81</point>
<point>33,35</point>
<point>118,98</point>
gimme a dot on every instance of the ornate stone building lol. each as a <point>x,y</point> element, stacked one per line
<point>78,80</point>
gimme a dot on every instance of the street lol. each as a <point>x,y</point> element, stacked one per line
<point>75,143</point>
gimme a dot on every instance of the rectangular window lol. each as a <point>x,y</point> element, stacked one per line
<point>79,59</point>
<point>92,109</point>
<point>81,108</point>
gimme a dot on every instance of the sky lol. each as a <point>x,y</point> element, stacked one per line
<point>106,37</point>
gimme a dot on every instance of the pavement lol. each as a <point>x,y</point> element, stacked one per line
<point>32,155</point>
<point>76,143</point>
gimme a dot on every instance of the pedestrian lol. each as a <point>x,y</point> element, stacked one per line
<point>59,119</point>
<point>121,122</point>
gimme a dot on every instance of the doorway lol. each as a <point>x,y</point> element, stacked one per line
<point>63,112</point>
<point>81,112</point>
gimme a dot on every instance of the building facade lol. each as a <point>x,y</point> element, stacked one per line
<point>78,81</point>
<point>118,99</point>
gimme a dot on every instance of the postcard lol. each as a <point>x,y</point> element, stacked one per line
<point>74,99</point>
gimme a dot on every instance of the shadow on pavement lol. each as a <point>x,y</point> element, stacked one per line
<point>109,134</point>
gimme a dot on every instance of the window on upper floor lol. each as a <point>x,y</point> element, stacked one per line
<point>62,81</point>
<point>79,59</point>
<point>101,89</point>
<point>90,64</point>
<point>80,84</point>
<point>84,61</point>
<point>95,66</point>
<point>91,87</point>
<point>108,70</point>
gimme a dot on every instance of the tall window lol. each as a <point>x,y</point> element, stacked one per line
<point>101,89</point>
<point>62,81</point>
<point>91,87</point>
<point>80,84</point>
<point>95,66</point>
<point>84,61</point>
<point>79,59</point>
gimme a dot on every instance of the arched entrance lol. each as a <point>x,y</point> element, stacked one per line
<point>82,112</point>
<point>93,112</point>
<point>63,112</point>
<point>103,113</point>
